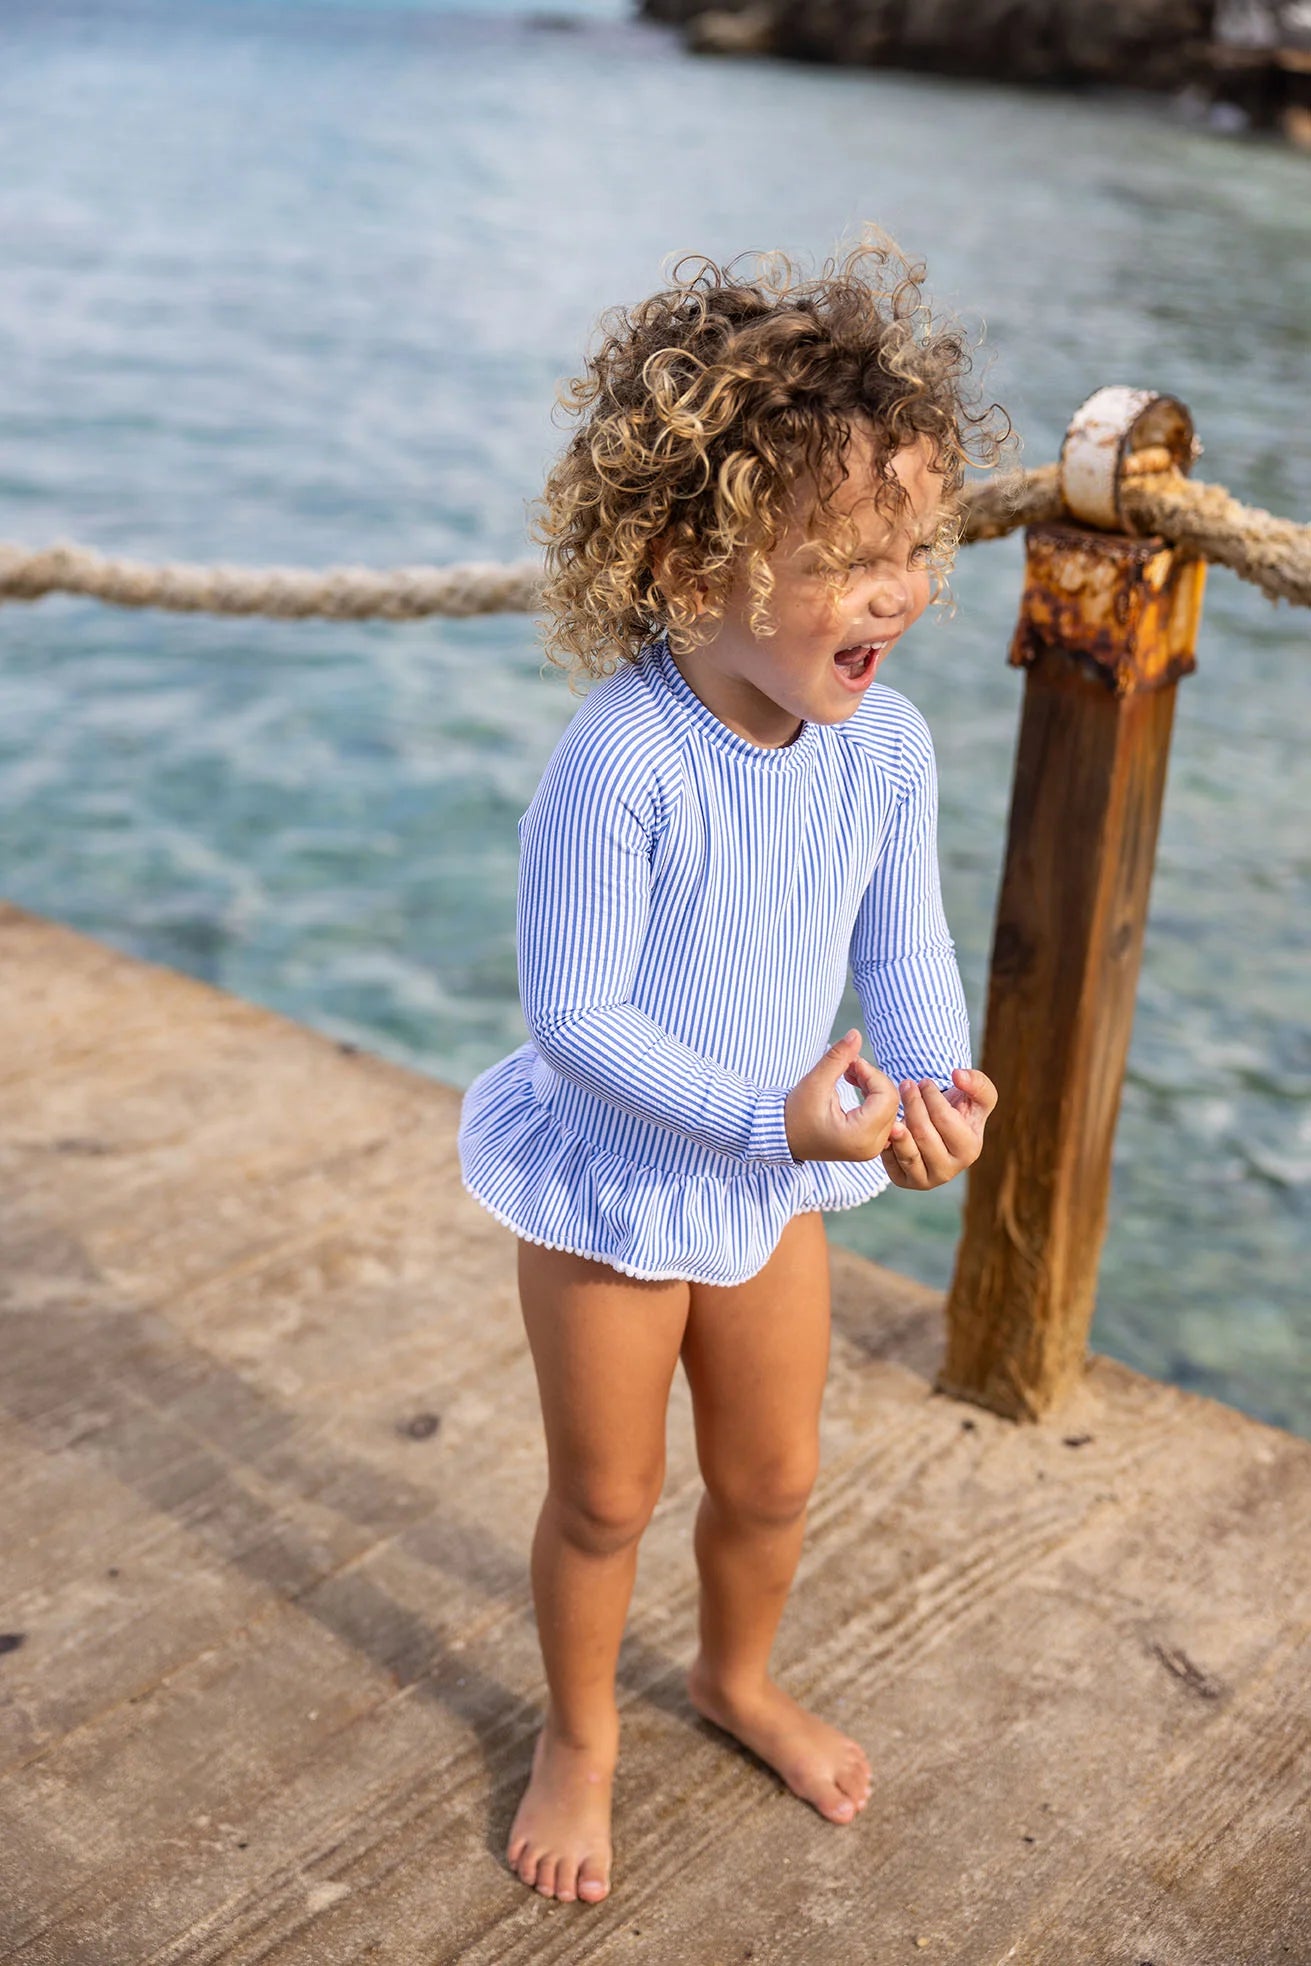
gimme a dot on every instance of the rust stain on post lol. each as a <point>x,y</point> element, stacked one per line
<point>1107,626</point>
<point>1130,607</point>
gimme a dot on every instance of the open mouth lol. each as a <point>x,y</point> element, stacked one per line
<point>858,663</point>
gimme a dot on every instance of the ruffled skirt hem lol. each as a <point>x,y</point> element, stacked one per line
<point>561,1191</point>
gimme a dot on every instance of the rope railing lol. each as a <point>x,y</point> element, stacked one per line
<point>1274,554</point>
<point>1271,553</point>
<point>285,593</point>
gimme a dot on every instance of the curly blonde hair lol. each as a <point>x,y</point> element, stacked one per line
<point>700,411</point>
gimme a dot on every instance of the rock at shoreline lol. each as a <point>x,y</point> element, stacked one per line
<point>1150,43</point>
<point>746,30</point>
<point>1248,58</point>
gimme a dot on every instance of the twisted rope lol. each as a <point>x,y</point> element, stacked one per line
<point>286,593</point>
<point>1274,554</point>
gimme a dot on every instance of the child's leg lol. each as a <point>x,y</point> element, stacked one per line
<point>756,1356</point>
<point>605,1347</point>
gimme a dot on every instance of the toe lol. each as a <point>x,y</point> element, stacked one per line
<point>831,1802</point>
<point>593,1883</point>
<point>527,1865</point>
<point>546,1876</point>
<point>566,1880</point>
<point>854,1777</point>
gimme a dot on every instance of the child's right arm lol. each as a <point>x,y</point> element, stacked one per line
<point>584,901</point>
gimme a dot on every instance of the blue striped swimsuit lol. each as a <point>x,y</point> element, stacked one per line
<point>688,905</point>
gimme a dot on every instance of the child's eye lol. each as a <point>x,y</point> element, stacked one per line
<point>921,554</point>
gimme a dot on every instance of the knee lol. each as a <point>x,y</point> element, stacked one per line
<point>770,1495</point>
<point>602,1515</point>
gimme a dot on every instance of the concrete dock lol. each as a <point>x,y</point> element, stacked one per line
<point>268,1674</point>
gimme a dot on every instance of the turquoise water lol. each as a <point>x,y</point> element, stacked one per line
<point>296,282</point>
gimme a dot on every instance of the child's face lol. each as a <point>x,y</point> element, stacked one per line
<point>827,647</point>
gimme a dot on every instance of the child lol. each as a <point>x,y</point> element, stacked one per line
<point>746,520</point>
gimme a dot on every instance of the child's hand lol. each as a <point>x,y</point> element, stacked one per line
<point>818,1125</point>
<point>942,1131</point>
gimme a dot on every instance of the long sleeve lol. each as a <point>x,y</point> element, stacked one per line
<point>903,960</point>
<point>585,872</point>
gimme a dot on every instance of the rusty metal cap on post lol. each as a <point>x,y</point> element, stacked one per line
<point>1121,432</point>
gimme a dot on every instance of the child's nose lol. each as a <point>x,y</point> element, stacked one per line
<point>889,597</point>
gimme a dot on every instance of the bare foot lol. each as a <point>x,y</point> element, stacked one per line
<point>560,1838</point>
<point>820,1765</point>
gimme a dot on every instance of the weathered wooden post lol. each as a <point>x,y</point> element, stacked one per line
<point>1107,626</point>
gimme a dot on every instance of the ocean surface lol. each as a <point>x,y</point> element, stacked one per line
<point>296,283</point>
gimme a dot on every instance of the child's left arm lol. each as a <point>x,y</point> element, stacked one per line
<point>903,964</point>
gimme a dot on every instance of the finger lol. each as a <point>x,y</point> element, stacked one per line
<point>939,1163</point>
<point>878,1108</point>
<point>861,1073</point>
<point>869,1077</point>
<point>958,1131</point>
<point>838,1057</point>
<point>835,1065</point>
<point>976,1085</point>
<point>902,1159</point>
